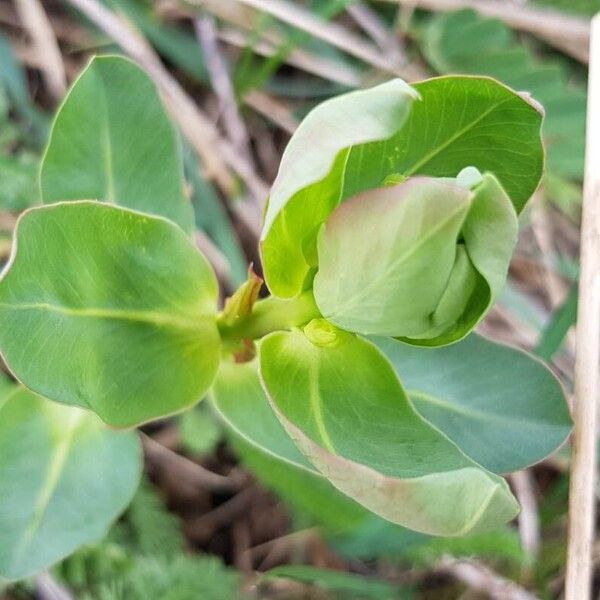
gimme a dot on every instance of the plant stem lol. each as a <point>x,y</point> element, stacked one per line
<point>268,315</point>
<point>587,382</point>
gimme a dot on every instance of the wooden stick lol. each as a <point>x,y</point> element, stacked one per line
<point>587,384</point>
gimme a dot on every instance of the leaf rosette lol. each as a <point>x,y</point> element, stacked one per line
<point>394,214</point>
<point>407,225</point>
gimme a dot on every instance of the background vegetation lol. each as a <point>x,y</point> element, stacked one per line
<point>214,518</point>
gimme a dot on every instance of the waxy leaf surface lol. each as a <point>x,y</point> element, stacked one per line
<point>64,478</point>
<point>112,141</point>
<point>422,260</point>
<point>460,121</point>
<point>309,183</point>
<point>501,406</point>
<point>467,42</point>
<point>110,310</point>
<point>268,450</point>
<point>344,407</point>
<point>360,141</point>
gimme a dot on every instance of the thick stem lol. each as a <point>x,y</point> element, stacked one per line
<point>268,315</point>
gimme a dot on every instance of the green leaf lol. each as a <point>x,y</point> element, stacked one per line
<point>460,121</point>
<point>18,182</point>
<point>466,42</point>
<point>423,260</point>
<point>385,257</point>
<point>309,182</point>
<point>362,140</point>
<point>500,405</point>
<point>199,431</point>
<point>64,478</point>
<point>112,141</point>
<point>501,544</point>
<point>353,586</point>
<point>153,529</point>
<point>267,449</point>
<point>345,408</point>
<point>211,217</point>
<point>110,310</point>
<point>241,403</point>
<point>564,317</point>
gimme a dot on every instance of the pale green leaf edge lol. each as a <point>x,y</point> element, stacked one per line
<point>190,226</point>
<point>289,181</point>
<point>391,508</point>
<point>58,461</point>
<point>8,265</point>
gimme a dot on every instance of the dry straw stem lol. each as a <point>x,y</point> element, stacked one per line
<point>529,521</point>
<point>297,57</point>
<point>587,359</point>
<point>217,154</point>
<point>272,109</point>
<point>47,53</point>
<point>387,41</point>
<point>47,588</point>
<point>245,14</point>
<point>332,33</point>
<point>568,33</point>
<point>186,469</point>
<point>206,31</point>
<point>481,579</point>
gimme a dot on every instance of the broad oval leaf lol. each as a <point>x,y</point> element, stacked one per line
<point>112,141</point>
<point>240,401</point>
<point>263,444</point>
<point>346,410</point>
<point>309,182</point>
<point>110,310</point>
<point>423,260</point>
<point>500,405</point>
<point>467,42</point>
<point>460,121</point>
<point>64,478</point>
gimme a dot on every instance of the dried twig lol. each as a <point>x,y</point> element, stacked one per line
<point>482,579</point>
<point>233,124</point>
<point>297,57</point>
<point>568,33</point>
<point>272,109</point>
<point>369,21</point>
<point>48,56</point>
<point>186,469</point>
<point>295,537</point>
<point>215,257</point>
<point>332,33</point>
<point>529,522</point>
<point>587,380</point>
<point>228,511</point>
<point>48,589</point>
